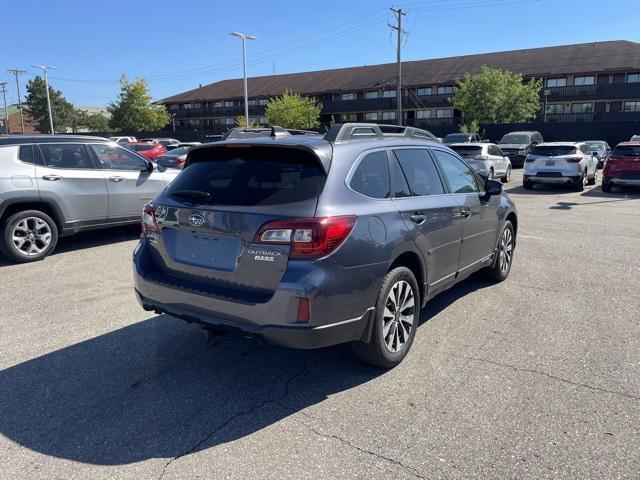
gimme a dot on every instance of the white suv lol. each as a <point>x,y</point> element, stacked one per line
<point>485,158</point>
<point>565,163</point>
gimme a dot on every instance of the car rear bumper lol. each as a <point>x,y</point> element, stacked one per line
<point>273,317</point>
<point>623,181</point>
<point>551,177</point>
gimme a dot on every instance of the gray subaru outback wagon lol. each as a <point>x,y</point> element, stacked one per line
<point>311,241</point>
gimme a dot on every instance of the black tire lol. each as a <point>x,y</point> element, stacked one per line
<point>492,175</point>
<point>507,176</point>
<point>12,251</point>
<point>495,271</point>
<point>594,179</point>
<point>606,186</point>
<point>376,352</point>
<point>578,186</point>
<point>527,185</point>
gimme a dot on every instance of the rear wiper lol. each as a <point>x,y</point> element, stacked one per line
<point>197,194</point>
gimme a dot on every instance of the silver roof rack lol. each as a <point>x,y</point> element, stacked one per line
<point>359,131</point>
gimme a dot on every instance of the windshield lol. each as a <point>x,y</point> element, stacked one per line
<point>143,148</point>
<point>596,147</point>
<point>467,149</point>
<point>457,137</point>
<point>554,150</point>
<point>252,176</point>
<point>627,151</point>
<point>514,139</point>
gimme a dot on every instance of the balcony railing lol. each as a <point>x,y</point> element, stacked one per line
<point>607,90</point>
<point>592,117</point>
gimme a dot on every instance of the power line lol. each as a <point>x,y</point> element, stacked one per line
<point>17,73</point>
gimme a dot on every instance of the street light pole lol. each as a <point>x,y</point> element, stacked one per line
<point>546,93</point>
<point>244,37</point>
<point>46,86</point>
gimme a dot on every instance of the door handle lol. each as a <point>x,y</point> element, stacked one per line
<point>418,218</point>
<point>116,179</point>
<point>464,213</point>
<point>52,178</point>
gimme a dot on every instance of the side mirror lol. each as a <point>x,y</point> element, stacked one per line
<point>493,188</point>
<point>149,167</point>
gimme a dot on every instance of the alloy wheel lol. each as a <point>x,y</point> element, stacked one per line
<point>31,236</point>
<point>506,250</point>
<point>399,316</point>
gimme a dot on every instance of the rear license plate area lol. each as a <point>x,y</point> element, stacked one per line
<point>205,250</point>
<point>550,163</point>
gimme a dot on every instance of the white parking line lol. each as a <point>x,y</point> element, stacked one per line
<point>529,236</point>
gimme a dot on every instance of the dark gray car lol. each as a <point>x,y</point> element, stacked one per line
<point>311,241</point>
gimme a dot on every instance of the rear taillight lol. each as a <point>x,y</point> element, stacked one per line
<point>573,159</point>
<point>530,159</point>
<point>180,160</point>
<point>309,237</point>
<point>304,314</point>
<point>149,217</point>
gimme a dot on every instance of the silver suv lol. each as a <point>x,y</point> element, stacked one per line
<point>52,186</point>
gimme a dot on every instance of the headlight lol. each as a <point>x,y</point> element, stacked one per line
<point>522,151</point>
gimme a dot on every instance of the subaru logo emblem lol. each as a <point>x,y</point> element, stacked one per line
<point>196,220</point>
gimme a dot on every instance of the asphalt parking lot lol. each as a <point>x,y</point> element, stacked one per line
<point>538,377</point>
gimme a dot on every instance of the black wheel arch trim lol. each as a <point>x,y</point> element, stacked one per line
<point>58,216</point>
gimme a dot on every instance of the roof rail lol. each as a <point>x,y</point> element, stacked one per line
<point>358,131</point>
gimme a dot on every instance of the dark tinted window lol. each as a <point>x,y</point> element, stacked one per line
<point>66,155</point>
<point>252,176</point>
<point>627,151</point>
<point>457,137</point>
<point>420,172</point>
<point>512,138</point>
<point>596,146</point>
<point>116,158</point>
<point>371,178</point>
<point>553,150</point>
<point>460,177</point>
<point>467,150</point>
<point>25,154</point>
<point>143,148</point>
<point>400,187</point>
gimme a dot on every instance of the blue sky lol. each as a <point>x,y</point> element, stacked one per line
<point>181,44</point>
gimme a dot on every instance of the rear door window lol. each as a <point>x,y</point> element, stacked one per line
<point>460,178</point>
<point>25,154</point>
<point>626,151</point>
<point>419,171</point>
<point>66,155</point>
<point>117,158</point>
<point>252,176</point>
<point>371,177</point>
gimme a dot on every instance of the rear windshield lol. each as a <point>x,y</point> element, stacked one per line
<point>554,150</point>
<point>143,148</point>
<point>457,137</point>
<point>467,149</point>
<point>514,139</point>
<point>627,151</point>
<point>252,176</point>
<point>596,147</point>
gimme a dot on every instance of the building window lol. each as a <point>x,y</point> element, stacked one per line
<point>229,103</point>
<point>389,93</point>
<point>348,96</point>
<point>229,121</point>
<point>217,121</point>
<point>252,102</point>
<point>348,117</point>
<point>369,95</point>
<point>194,121</point>
<point>556,82</point>
<point>445,89</point>
<point>584,80</point>
<point>633,78</point>
<point>197,105</point>
<point>423,114</point>
<point>444,113</point>
<point>631,106</point>
<point>217,104</point>
<point>586,107</point>
<point>371,116</point>
<point>263,101</point>
<point>424,91</point>
<point>389,115</point>
<point>173,106</point>
<point>555,108</point>
<point>186,106</point>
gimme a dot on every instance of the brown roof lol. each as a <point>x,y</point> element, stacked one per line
<point>565,59</point>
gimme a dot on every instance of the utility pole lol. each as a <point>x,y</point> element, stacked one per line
<point>3,85</point>
<point>17,73</point>
<point>46,86</point>
<point>399,14</point>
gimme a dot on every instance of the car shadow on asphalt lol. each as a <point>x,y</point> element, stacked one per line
<point>159,389</point>
<point>89,239</point>
<point>540,189</point>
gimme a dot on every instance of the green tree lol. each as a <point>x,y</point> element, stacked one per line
<point>93,122</point>
<point>241,121</point>
<point>472,127</point>
<point>36,106</point>
<point>134,111</point>
<point>291,110</point>
<point>497,96</point>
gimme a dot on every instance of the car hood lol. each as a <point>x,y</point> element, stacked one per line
<point>515,146</point>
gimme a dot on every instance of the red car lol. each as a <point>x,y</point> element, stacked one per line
<point>148,150</point>
<point>622,167</point>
